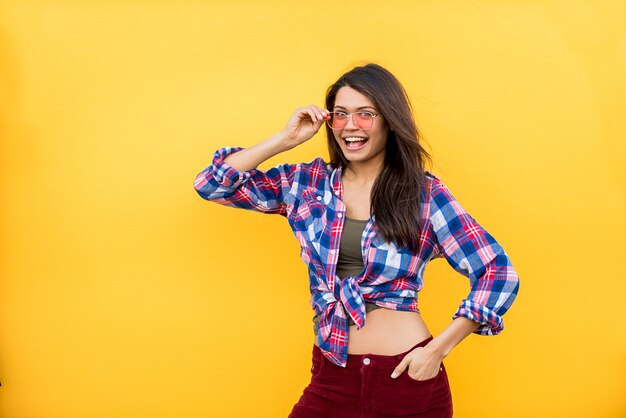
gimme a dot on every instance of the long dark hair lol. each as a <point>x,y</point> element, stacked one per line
<point>395,200</point>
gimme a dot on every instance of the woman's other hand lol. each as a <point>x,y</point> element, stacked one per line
<point>303,124</point>
<point>422,363</point>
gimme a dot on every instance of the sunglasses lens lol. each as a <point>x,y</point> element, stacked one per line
<point>363,120</point>
<point>337,120</point>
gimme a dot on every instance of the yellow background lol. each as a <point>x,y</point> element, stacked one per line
<point>123,294</point>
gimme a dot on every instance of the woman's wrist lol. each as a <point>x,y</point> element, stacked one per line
<point>281,142</point>
<point>439,347</point>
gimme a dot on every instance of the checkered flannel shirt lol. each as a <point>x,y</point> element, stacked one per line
<point>309,196</point>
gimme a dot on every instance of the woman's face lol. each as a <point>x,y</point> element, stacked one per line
<point>360,145</point>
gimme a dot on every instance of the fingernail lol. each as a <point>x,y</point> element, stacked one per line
<point>394,375</point>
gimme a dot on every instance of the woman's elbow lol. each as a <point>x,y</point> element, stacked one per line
<point>202,186</point>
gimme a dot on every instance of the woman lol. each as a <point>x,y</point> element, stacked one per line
<point>368,223</point>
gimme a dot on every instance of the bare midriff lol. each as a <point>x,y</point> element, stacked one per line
<point>387,332</point>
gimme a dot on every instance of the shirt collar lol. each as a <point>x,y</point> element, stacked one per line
<point>335,181</point>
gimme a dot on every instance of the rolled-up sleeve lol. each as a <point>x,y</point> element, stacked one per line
<point>263,191</point>
<point>473,252</point>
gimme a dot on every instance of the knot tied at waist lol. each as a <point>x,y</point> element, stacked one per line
<point>346,300</point>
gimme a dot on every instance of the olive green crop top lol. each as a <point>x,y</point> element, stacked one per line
<point>350,260</point>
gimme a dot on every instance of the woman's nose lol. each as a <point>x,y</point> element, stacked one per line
<point>350,123</point>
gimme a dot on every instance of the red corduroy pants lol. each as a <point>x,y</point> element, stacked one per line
<point>365,389</point>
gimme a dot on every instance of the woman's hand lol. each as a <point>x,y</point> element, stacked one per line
<point>303,124</point>
<point>423,363</point>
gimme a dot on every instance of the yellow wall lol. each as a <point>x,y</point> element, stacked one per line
<point>123,294</point>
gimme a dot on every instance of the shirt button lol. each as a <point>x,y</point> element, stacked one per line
<point>339,215</point>
<point>337,193</point>
<point>366,361</point>
<point>319,197</point>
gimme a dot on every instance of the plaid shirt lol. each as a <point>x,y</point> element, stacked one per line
<point>309,196</point>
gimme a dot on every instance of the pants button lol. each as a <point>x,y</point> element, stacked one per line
<point>366,361</point>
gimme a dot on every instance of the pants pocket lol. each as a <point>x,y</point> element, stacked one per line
<point>404,396</point>
<point>316,366</point>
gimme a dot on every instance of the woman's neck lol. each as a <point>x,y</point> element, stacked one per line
<point>363,172</point>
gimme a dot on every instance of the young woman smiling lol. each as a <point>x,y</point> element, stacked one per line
<point>368,222</point>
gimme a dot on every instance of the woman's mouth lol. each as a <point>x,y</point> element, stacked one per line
<point>355,143</point>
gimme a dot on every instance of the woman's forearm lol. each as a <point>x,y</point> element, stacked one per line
<point>249,158</point>
<point>454,333</point>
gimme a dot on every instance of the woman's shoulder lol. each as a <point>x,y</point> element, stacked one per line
<point>431,177</point>
<point>435,189</point>
<point>439,194</point>
<point>310,173</point>
<point>432,182</point>
<point>316,166</point>
<point>318,162</point>
<point>435,182</point>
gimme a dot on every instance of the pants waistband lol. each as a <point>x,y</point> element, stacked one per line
<point>378,360</point>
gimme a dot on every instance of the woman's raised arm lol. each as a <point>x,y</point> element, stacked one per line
<point>302,125</point>
<point>233,180</point>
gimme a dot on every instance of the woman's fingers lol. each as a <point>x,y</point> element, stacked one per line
<point>417,366</point>
<point>316,114</point>
<point>305,122</point>
<point>312,114</point>
<point>400,367</point>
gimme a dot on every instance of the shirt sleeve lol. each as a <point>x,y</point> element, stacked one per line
<point>473,252</point>
<point>263,191</point>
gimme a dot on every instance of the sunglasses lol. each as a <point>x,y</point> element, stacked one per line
<point>361,120</point>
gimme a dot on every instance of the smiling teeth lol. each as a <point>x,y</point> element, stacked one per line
<point>355,139</point>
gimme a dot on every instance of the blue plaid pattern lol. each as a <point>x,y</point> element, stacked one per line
<point>309,196</point>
